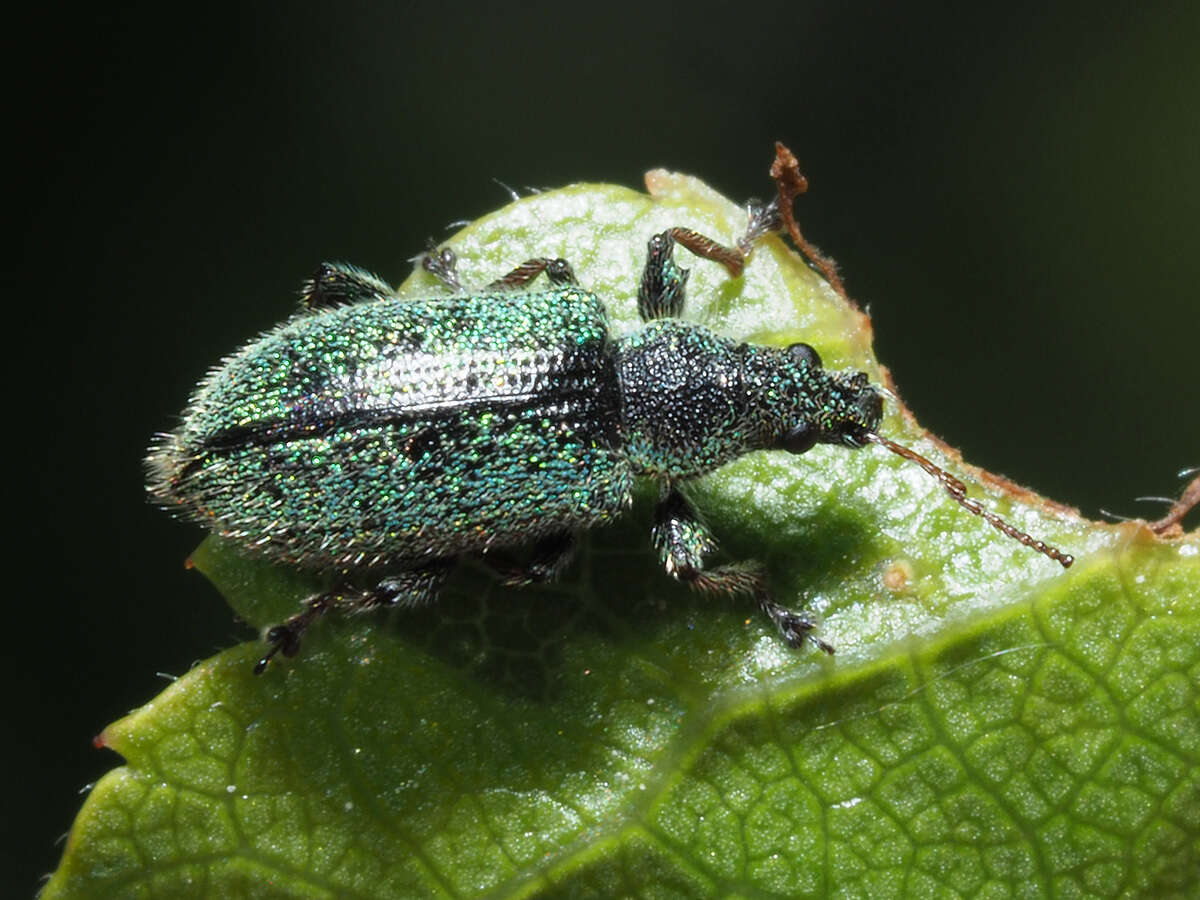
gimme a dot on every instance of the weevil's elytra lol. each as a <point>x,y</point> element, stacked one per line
<point>383,439</point>
<point>367,446</point>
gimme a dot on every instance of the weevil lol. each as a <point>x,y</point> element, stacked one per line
<point>383,439</point>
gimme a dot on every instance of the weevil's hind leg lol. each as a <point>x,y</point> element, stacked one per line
<point>412,587</point>
<point>664,282</point>
<point>550,556</point>
<point>683,541</point>
<point>557,269</point>
<point>339,284</point>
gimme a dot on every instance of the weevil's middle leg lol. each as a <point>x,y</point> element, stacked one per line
<point>664,282</point>
<point>411,588</point>
<point>683,541</point>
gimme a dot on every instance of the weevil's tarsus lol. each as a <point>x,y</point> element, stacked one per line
<point>442,264</point>
<point>795,628</point>
<point>762,219</point>
<point>958,491</point>
<point>791,183</point>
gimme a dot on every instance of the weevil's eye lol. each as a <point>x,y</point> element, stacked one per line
<point>800,439</point>
<point>803,353</point>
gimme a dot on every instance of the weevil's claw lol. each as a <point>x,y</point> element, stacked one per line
<point>281,638</point>
<point>821,645</point>
<point>261,665</point>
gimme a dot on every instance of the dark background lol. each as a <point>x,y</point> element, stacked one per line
<point>1014,192</point>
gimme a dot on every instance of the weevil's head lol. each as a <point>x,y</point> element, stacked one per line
<point>826,407</point>
<point>691,401</point>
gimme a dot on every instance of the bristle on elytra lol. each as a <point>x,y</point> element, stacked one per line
<point>957,490</point>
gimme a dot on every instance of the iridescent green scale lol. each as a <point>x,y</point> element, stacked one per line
<point>393,431</point>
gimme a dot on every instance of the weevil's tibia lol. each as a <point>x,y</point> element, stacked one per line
<point>958,491</point>
<point>557,269</point>
<point>683,540</point>
<point>662,292</point>
<point>412,588</point>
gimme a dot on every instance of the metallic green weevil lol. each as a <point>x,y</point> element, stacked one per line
<point>382,439</point>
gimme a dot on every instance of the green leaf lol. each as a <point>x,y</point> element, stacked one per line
<point>991,725</point>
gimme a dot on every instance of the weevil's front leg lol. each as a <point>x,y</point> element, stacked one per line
<point>339,284</point>
<point>683,541</point>
<point>550,556</point>
<point>664,282</point>
<point>411,588</point>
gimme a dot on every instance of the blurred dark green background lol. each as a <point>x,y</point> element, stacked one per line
<point>1013,191</point>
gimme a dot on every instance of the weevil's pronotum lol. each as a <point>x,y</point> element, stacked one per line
<point>382,439</point>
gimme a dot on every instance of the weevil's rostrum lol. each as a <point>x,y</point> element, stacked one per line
<point>382,439</point>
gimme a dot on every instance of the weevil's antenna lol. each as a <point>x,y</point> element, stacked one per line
<point>958,491</point>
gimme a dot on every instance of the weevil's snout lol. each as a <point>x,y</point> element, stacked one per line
<point>849,410</point>
<point>865,412</point>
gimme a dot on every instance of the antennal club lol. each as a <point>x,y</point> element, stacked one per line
<point>958,491</point>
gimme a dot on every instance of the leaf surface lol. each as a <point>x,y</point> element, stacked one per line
<point>991,725</point>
